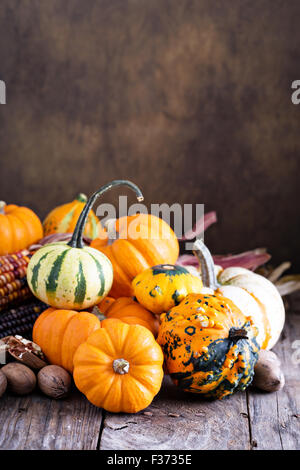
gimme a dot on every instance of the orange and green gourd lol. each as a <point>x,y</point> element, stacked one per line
<point>209,346</point>
<point>162,287</point>
<point>63,219</point>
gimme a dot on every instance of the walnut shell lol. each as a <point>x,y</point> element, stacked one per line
<point>3,383</point>
<point>24,351</point>
<point>268,375</point>
<point>54,381</point>
<point>20,379</point>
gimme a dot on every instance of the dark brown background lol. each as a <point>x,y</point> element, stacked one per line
<point>189,99</point>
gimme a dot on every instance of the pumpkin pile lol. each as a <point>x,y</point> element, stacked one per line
<point>121,312</point>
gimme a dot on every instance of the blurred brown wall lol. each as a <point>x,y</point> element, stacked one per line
<point>189,99</point>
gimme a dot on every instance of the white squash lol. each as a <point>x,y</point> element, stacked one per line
<point>254,295</point>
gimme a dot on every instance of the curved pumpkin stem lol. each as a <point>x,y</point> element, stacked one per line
<point>206,264</point>
<point>76,240</point>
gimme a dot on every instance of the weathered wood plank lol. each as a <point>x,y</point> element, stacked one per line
<point>263,412</point>
<point>36,422</point>
<point>289,398</point>
<point>275,417</point>
<point>177,420</point>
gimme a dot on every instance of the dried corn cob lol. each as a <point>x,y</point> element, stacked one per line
<point>13,284</point>
<point>13,266</point>
<point>20,320</point>
<point>15,297</point>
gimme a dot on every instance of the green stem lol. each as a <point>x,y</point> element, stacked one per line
<point>81,197</point>
<point>76,241</point>
<point>206,264</point>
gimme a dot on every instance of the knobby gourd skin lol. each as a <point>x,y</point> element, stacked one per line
<point>209,346</point>
<point>162,287</point>
<point>143,240</point>
<point>119,367</point>
<point>63,219</point>
<point>254,295</point>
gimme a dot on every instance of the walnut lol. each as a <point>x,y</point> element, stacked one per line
<point>54,381</point>
<point>268,375</point>
<point>20,379</point>
<point>3,383</point>
<point>24,351</point>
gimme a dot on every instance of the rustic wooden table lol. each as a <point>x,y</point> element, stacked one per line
<point>175,420</point>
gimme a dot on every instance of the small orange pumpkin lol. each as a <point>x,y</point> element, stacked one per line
<point>129,311</point>
<point>19,228</point>
<point>63,219</point>
<point>119,367</point>
<point>60,332</point>
<point>144,240</point>
<point>104,305</point>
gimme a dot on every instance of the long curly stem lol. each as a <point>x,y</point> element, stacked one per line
<point>76,240</point>
<point>206,264</point>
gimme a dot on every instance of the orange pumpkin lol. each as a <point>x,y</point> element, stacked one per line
<point>63,219</point>
<point>60,332</point>
<point>129,311</point>
<point>119,367</point>
<point>19,228</point>
<point>144,240</point>
<point>104,305</point>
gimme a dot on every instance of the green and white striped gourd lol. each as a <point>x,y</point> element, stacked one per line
<point>73,276</point>
<point>69,278</point>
